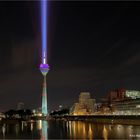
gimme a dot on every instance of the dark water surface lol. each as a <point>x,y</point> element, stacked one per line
<point>44,130</point>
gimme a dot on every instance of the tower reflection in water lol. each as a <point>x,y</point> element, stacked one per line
<point>43,125</point>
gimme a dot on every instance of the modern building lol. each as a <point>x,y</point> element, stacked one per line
<point>126,107</point>
<point>85,106</point>
<point>133,94</point>
<point>122,94</point>
<point>124,102</point>
<point>117,94</point>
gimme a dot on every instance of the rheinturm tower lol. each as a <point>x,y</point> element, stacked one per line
<point>44,67</point>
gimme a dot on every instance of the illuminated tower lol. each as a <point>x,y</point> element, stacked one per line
<point>44,67</point>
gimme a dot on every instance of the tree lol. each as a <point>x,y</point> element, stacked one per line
<point>60,112</point>
<point>10,113</point>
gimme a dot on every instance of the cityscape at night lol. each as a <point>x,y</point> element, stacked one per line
<point>69,70</point>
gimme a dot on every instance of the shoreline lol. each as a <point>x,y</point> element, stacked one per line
<point>109,119</point>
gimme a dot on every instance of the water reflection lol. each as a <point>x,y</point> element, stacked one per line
<point>44,130</point>
<point>79,129</point>
<point>89,130</point>
<point>31,126</point>
<point>17,129</point>
<point>59,129</point>
<point>3,130</point>
<point>39,124</point>
<point>105,133</point>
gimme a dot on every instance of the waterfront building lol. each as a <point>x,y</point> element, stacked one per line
<point>126,107</point>
<point>85,106</point>
<point>117,94</point>
<point>123,94</point>
<point>124,102</point>
<point>133,94</point>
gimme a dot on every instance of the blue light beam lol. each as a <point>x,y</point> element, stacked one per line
<point>44,30</point>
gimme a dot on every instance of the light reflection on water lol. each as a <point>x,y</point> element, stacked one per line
<point>78,129</point>
<point>68,130</point>
<point>42,126</point>
<point>105,133</point>
<point>44,131</point>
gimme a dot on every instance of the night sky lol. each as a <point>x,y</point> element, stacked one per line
<point>93,46</point>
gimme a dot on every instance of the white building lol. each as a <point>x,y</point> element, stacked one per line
<point>85,106</point>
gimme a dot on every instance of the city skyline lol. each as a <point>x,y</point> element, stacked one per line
<point>93,47</point>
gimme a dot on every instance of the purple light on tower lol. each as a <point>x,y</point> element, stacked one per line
<point>44,67</point>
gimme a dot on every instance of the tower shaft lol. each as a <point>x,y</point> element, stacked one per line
<point>44,98</point>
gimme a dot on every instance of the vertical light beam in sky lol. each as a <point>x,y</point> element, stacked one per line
<point>44,30</point>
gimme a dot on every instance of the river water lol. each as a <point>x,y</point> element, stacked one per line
<point>44,130</point>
